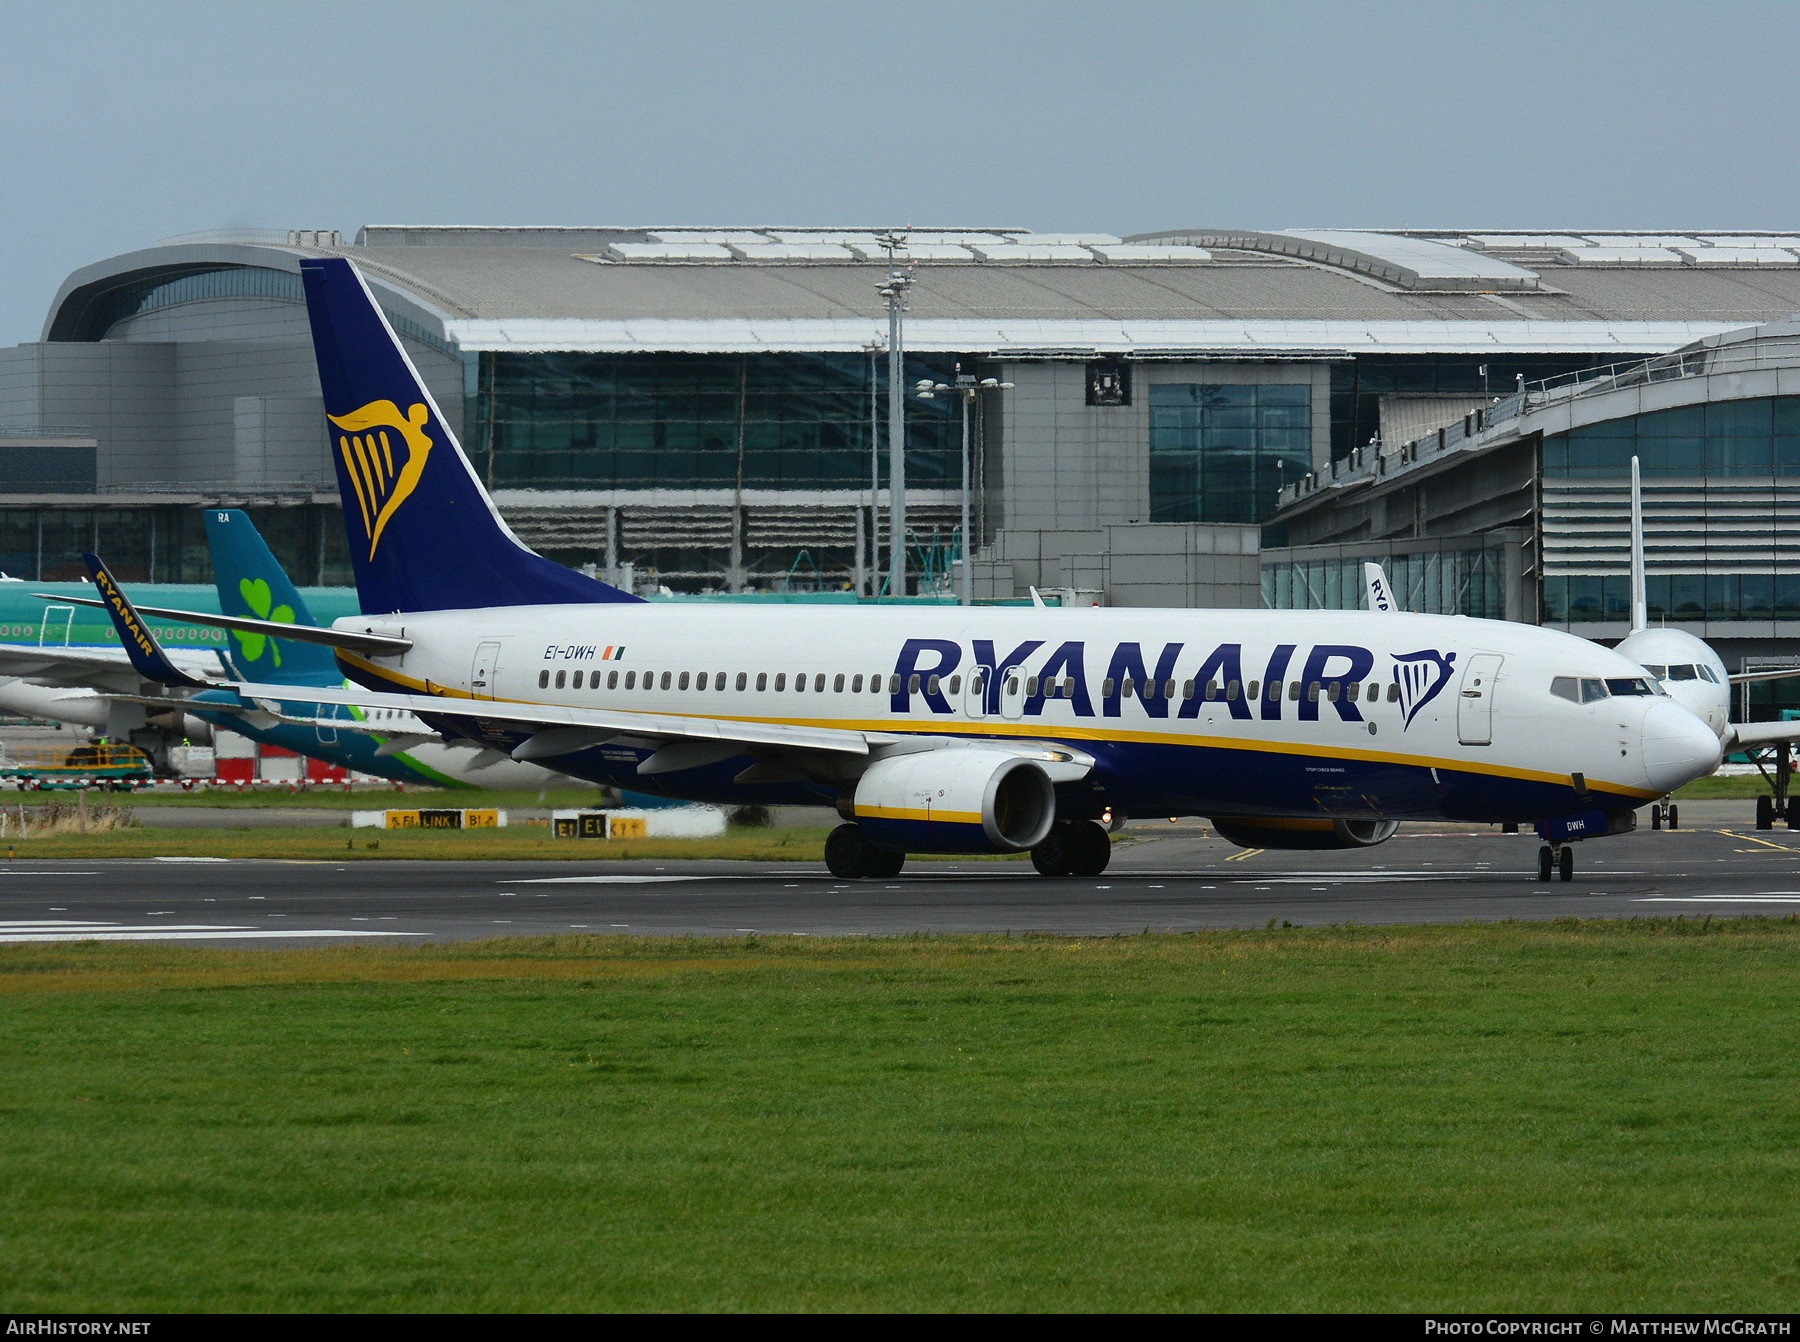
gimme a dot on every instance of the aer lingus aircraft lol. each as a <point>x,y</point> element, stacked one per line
<point>965,729</point>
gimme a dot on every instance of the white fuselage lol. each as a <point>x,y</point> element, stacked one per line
<point>1198,712</point>
<point>1689,671</point>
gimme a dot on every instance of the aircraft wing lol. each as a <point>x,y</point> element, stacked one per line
<point>104,669</point>
<point>1750,677</point>
<point>684,742</point>
<point>1744,734</point>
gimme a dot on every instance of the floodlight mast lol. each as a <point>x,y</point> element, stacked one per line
<point>899,279</point>
<point>967,388</point>
<point>873,347</point>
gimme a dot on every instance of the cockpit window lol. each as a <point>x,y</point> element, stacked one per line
<point>1621,686</point>
<point>1688,672</point>
<point>1707,673</point>
<point>1566,687</point>
<point>1659,672</point>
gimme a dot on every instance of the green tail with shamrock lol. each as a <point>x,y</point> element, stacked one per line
<point>252,582</point>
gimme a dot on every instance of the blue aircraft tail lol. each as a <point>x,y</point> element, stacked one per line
<point>423,533</point>
<point>252,582</point>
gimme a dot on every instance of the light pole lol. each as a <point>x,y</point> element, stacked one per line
<point>873,348</point>
<point>967,388</point>
<point>894,291</point>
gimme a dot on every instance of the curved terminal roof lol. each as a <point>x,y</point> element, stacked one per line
<point>1193,293</point>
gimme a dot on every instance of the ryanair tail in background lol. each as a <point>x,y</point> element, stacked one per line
<point>423,533</point>
<point>252,583</point>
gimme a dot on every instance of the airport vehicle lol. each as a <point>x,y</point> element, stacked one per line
<point>943,729</point>
<point>64,768</point>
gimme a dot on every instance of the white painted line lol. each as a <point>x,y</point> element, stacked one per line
<point>603,880</point>
<point>1719,899</point>
<point>190,859</point>
<point>164,934</point>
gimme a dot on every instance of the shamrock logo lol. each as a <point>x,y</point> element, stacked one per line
<point>261,601</point>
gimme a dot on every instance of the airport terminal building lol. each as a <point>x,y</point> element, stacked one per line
<point>703,409</point>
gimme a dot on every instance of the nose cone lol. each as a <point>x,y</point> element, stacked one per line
<point>1678,747</point>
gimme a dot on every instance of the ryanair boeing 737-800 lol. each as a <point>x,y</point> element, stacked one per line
<point>965,729</point>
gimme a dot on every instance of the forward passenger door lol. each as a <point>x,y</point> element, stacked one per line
<point>1475,706</point>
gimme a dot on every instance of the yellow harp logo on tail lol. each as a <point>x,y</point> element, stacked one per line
<point>383,473</point>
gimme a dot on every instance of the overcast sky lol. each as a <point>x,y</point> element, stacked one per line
<point>125,123</point>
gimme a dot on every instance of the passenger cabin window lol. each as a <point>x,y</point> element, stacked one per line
<point>780,681</point>
<point>543,680</point>
<point>856,684</point>
<point>612,680</point>
<point>631,680</point>
<point>956,684</point>
<point>893,684</point>
<point>683,683</point>
<point>837,683</point>
<point>561,676</point>
<point>762,681</point>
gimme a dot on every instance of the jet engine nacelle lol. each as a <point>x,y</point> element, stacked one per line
<point>1313,834</point>
<point>956,800</point>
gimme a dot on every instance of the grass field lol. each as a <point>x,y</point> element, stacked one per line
<point>510,844</point>
<point>1602,1117</point>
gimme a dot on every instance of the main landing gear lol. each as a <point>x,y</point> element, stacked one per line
<point>1777,807</point>
<point>1073,848</point>
<point>851,857</point>
<point>1558,858</point>
<point>1667,815</point>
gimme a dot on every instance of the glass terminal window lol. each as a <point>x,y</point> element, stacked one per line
<point>1220,453</point>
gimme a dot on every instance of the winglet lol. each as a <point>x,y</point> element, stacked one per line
<point>147,655</point>
<point>1381,596</point>
<point>1640,602</point>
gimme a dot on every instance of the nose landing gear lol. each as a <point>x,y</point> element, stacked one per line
<point>1666,814</point>
<point>1558,858</point>
<point>1776,807</point>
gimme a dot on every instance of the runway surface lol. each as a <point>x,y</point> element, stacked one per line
<point>1171,878</point>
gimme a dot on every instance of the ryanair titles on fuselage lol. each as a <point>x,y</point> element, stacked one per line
<point>1064,673</point>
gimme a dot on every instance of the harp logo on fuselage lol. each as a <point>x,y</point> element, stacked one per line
<point>384,455</point>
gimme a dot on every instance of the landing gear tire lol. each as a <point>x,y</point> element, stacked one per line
<point>1092,849</point>
<point>1565,864</point>
<point>1073,848</point>
<point>1765,813</point>
<point>1546,860</point>
<point>1656,816</point>
<point>1674,815</point>
<point>887,864</point>
<point>848,855</point>
<point>1055,855</point>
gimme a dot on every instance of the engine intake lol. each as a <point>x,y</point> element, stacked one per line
<point>955,800</point>
<point>1312,834</point>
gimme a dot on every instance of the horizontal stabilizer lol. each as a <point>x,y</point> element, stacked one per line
<point>372,645</point>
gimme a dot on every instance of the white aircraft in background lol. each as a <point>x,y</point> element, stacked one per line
<point>958,729</point>
<point>1694,675</point>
